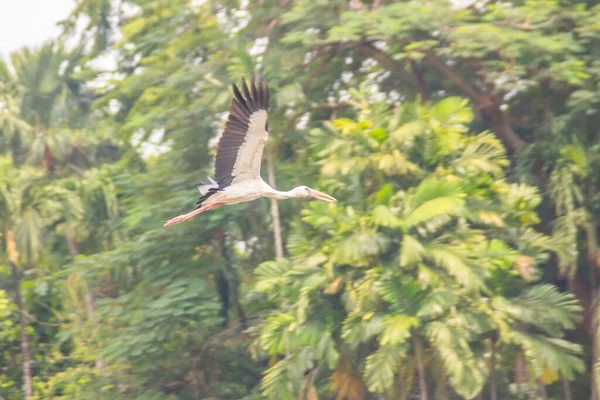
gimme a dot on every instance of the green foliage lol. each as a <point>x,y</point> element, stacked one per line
<point>416,267</point>
<point>431,263</point>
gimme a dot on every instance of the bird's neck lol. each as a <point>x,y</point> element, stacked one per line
<point>279,195</point>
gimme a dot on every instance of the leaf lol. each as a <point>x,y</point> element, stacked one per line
<point>543,306</point>
<point>325,350</point>
<point>404,296</point>
<point>406,133</point>
<point>452,110</point>
<point>432,188</point>
<point>271,274</point>
<point>466,375</point>
<point>381,367</point>
<point>358,248</point>
<point>397,329</point>
<point>437,302</point>
<point>384,216</point>
<point>335,286</point>
<point>385,193</point>
<point>542,352</point>
<point>290,94</point>
<point>431,209</point>
<point>549,376</point>
<point>395,163</point>
<point>457,265</point>
<point>411,251</point>
<point>357,330</point>
<point>346,384</point>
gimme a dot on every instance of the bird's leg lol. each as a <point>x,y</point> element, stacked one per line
<point>189,215</point>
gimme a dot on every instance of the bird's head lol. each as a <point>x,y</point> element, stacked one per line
<point>305,191</point>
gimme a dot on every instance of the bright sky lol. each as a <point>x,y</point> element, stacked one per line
<point>30,22</point>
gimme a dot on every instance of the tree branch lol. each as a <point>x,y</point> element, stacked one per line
<point>37,321</point>
<point>501,126</point>
<point>487,105</point>
<point>454,77</point>
<point>331,106</point>
<point>386,61</point>
<point>421,85</point>
<point>76,168</point>
<point>319,70</point>
<point>525,27</point>
<point>274,209</point>
<point>377,4</point>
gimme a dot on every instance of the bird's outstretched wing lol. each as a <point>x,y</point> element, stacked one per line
<point>241,146</point>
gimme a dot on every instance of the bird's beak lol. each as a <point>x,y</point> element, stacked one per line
<point>322,196</point>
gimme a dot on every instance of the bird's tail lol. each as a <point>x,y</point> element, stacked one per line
<point>206,191</point>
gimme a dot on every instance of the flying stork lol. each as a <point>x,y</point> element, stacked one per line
<point>239,154</point>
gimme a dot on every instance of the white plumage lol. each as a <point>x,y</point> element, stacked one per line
<point>239,156</point>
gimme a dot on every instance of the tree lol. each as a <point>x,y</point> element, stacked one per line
<point>45,117</point>
<point>526,68</point>
<point>470,284</point>
<point>424,264</point>
<point>22,223</point>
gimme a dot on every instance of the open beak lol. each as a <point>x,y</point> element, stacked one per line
<point>322,196</point>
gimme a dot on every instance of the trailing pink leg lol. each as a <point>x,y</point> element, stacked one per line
<point>192,214</point>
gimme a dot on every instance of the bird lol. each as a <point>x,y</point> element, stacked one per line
<point>239,154</point>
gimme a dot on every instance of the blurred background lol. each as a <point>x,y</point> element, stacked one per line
<point>460,262</point>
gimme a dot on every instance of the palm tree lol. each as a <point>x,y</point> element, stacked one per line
<point>96,194</point>
<point>436,255</point>
<point>46,101</point>
<point>29,204</point>
<point>21,222</point>
<point>14,129</point>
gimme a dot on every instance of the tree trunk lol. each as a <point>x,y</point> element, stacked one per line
<point>232,279</point>
<point>567,390</point>
<point>500,124</point>
<point>90,302</point>
<point>24,340</point>
<point>541,389</point>
<point>593,377</point>
<point>420,369</point>
<point>493,387</point>
<point>579,285</point>
<point>593,256</point>
<point>520,370</point>
<point>274,210</point>
<point>421,85</point>
<point>404,392</point>
<point>223,291</point>
<point>487,105</point>
<point>405,381</point>
<point>445,390</point>
<point>13,257</point>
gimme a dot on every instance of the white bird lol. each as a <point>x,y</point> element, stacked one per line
<point>237,165</point>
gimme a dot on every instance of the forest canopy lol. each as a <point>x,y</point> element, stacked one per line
<point>460,261</point>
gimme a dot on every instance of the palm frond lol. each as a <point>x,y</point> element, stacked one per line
<point>466,375</point>
<point>359,248</point>
<point>381,367</point>
<point>558,354</point>
<point>543,306</point>
<point>411,250</point>
<point>483,153</point>
<point>457,264</point>
<point>271,274</point>
<point>397,329</point>
<point>403,296</point>
<point>433,188</point>
<point>437,302</point>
